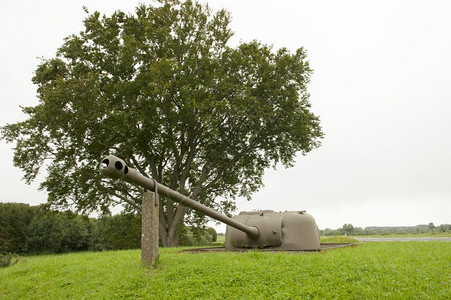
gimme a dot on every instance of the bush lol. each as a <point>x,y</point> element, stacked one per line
<point>14,221</point>
<point>120,232</point>
<point>213,233</point>
<point>56,232</point>
<point>97,240</point>
<point>38,229</point>
<point>195,236</point>
<point>7,260</point>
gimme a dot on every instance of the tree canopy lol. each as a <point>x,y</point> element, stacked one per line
<point>162,89</point>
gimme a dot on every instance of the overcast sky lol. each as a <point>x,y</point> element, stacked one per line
<point>381,85</point>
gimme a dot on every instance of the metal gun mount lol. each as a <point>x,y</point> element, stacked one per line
<point>266,229</point>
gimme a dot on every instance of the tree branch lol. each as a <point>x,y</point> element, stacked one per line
<point>113,193</point>
<point>153,166</point>
<point>140,169</point>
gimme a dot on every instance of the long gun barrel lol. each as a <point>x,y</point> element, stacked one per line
<point>116,168</point>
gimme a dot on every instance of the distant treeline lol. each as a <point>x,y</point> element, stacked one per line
<point>26,229</point>
<point>349,229</point>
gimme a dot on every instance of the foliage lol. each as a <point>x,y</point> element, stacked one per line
<point>47,231</point>
<point>55,232</point>
<point>14,221</point>
<point>431,226</point>
<point>444,228</point>
<point>8,259</point>
<point>349,229</point>
<point>195,236</point>
<point>213,233</point>
<point>36,229</point>
<point>163,89</point>
<point>122,231</point>
<point>396,270</point>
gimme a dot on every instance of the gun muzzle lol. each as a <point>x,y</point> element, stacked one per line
<point>114,167</point>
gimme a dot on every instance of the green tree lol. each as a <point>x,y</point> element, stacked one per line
<point>196,236</point>
<point>46,233</point>
<point>122,231</point>
<point>57,232</point>
<point>97,241</point>
<point>162,89</point>
<point>76,234</point>
<point>14,221</point>
<point>327,232</point>
<point>348,229</point>
<point>444,227</point>
<point>213,233</point>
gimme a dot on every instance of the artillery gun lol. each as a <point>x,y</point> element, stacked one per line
<point>265,229</point>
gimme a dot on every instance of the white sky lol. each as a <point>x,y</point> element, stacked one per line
<point>382,87</point>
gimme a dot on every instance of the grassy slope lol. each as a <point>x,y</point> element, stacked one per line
<point>396,270</point>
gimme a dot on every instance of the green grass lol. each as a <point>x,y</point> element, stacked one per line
<point>220,239</point>
<point>396,270</point>
<point>338,239</point>
<point>423,234</point>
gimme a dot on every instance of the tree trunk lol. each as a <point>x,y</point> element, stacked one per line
<point>169,232</point>
<point>169,236</point>
<point>170,240</point>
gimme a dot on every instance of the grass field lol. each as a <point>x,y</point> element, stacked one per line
<point>396,270</point>
<point>435,234</point>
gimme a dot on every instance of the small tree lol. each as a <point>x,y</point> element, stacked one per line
<point>348,229</point>
<point>431,227</point>
<point>162,89</point>
<point>213,233</point>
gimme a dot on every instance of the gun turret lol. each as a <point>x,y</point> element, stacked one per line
<point>294,230</point>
